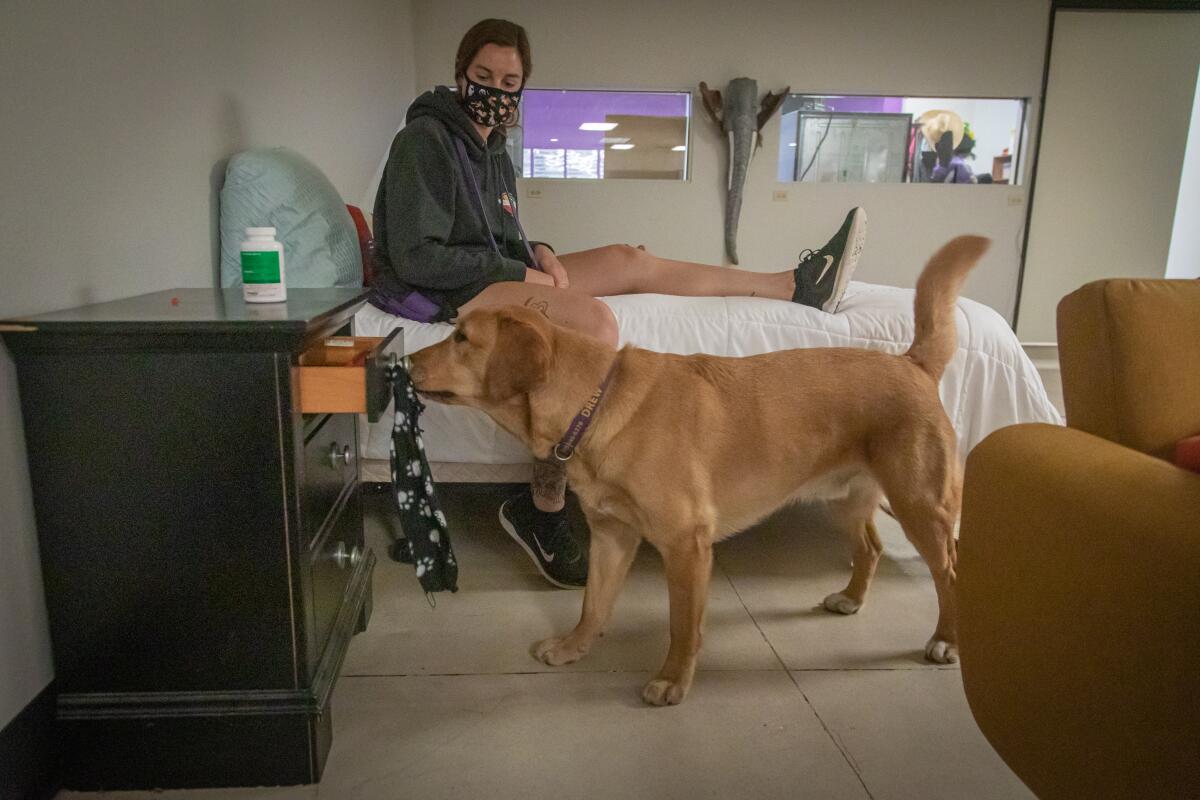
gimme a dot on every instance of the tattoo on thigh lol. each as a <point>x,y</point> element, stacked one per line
<point>549,480</point>
<point>539,305</point>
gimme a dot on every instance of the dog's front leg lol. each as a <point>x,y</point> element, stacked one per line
<point>612,550</point>
<point>688,563</point>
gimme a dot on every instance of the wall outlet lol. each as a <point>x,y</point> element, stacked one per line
<point>534,192</point>
<point>779,195</point>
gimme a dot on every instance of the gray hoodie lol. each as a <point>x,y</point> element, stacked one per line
<point>429,234</point>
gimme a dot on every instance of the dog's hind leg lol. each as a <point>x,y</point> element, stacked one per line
<point>923,486</point>
<point>864,540</point>
<point>855,514</point>
<point>613,547</point>
<point>931,530</point>
<point>688,561</point>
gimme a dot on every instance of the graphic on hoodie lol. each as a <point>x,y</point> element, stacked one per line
<point>507,203</point>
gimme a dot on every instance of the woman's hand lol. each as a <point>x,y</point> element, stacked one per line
<point>551,266</point>
<point>536,276</point>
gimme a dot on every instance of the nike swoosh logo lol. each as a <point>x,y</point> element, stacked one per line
<point>828,264</point>
<point>547,556</point>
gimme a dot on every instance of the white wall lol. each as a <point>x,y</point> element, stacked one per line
<point>868,47</point>
<point>1121,90</point>
<point>1183,260</point>
<point>116,121</point>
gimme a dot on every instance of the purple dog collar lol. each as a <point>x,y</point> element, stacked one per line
<point>570,440</point>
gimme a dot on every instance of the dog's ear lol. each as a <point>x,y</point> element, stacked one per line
<point>519,360</point>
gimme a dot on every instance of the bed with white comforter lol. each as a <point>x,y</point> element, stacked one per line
<point>988,384</point>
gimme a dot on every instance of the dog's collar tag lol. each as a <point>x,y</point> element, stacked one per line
<point>565,449</point>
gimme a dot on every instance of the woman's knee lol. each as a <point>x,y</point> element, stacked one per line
<point>627,253</point>
<point>638,264</point>
<point>602,323</point>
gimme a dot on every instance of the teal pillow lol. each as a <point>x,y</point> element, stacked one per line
<point>279,188</point>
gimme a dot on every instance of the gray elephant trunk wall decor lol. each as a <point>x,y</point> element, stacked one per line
<point>741,117</point>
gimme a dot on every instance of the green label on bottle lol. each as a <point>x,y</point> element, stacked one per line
<point>260,266</point>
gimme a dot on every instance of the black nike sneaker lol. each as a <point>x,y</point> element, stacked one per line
<point>547,539</point>
<point>822,275</point>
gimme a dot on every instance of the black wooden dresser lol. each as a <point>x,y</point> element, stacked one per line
<point>199,517</point>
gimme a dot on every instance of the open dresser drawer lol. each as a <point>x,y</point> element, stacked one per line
<point>348,374</point>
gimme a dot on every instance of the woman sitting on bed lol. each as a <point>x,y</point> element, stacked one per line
<point>446,227</point>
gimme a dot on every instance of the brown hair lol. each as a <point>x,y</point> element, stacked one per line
<point>494,31</point>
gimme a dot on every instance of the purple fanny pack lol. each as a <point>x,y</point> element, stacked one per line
<point>410,304</point>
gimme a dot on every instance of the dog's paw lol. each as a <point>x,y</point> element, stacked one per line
<point>663,692</point>
<point>839,603</point>
<point>553,652</point>
<point>940,651</point>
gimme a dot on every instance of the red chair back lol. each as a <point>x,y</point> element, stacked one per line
<point>366,244</point>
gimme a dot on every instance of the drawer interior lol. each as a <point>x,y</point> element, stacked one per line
<point>347,374</point>
<point>341,351</point>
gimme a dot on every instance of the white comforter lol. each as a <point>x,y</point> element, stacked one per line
<point>989,383</point>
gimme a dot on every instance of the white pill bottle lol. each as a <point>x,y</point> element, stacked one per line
<point>262,267</point>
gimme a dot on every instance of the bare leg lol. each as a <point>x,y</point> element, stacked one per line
<point>549,485</point>
<point>622,269</point>
<point>613,548</point>
<point>689,568</point>
<point>570,308</point>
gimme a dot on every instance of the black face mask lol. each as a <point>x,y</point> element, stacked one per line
<point>490,106</point>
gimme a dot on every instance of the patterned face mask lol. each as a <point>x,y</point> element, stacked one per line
<point>490,106</point>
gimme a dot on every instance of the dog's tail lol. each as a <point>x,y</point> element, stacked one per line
<point>937,292</point>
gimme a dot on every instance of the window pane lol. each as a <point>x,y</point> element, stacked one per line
<point>852,148</point>
<point>548,163</point>
<point>603,134</point>
<point>583,164</point>
<point>869,139</point>
<point>516,151</point>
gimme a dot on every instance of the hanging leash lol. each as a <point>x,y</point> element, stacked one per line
<point>426,538</point>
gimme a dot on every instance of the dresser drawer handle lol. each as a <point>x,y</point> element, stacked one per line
<point>342,558</point>
<point>344,457</point>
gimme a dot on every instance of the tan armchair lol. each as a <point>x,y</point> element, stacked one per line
<point>1079,559</point>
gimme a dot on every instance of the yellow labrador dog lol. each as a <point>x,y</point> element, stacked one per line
<point>683,451</point>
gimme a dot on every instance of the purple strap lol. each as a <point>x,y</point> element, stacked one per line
<point>465,163</point>
<point>570,440</point>
<point>409,304</point>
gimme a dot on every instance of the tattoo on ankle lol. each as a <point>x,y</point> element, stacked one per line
<point>539,305</point>
<point>549,484</point>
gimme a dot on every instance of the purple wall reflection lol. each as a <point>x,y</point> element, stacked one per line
<point>557,114</point>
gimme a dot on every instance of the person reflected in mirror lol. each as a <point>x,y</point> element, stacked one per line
<point>955,169</point>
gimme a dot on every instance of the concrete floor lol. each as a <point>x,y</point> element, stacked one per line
<point>790,701</point>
